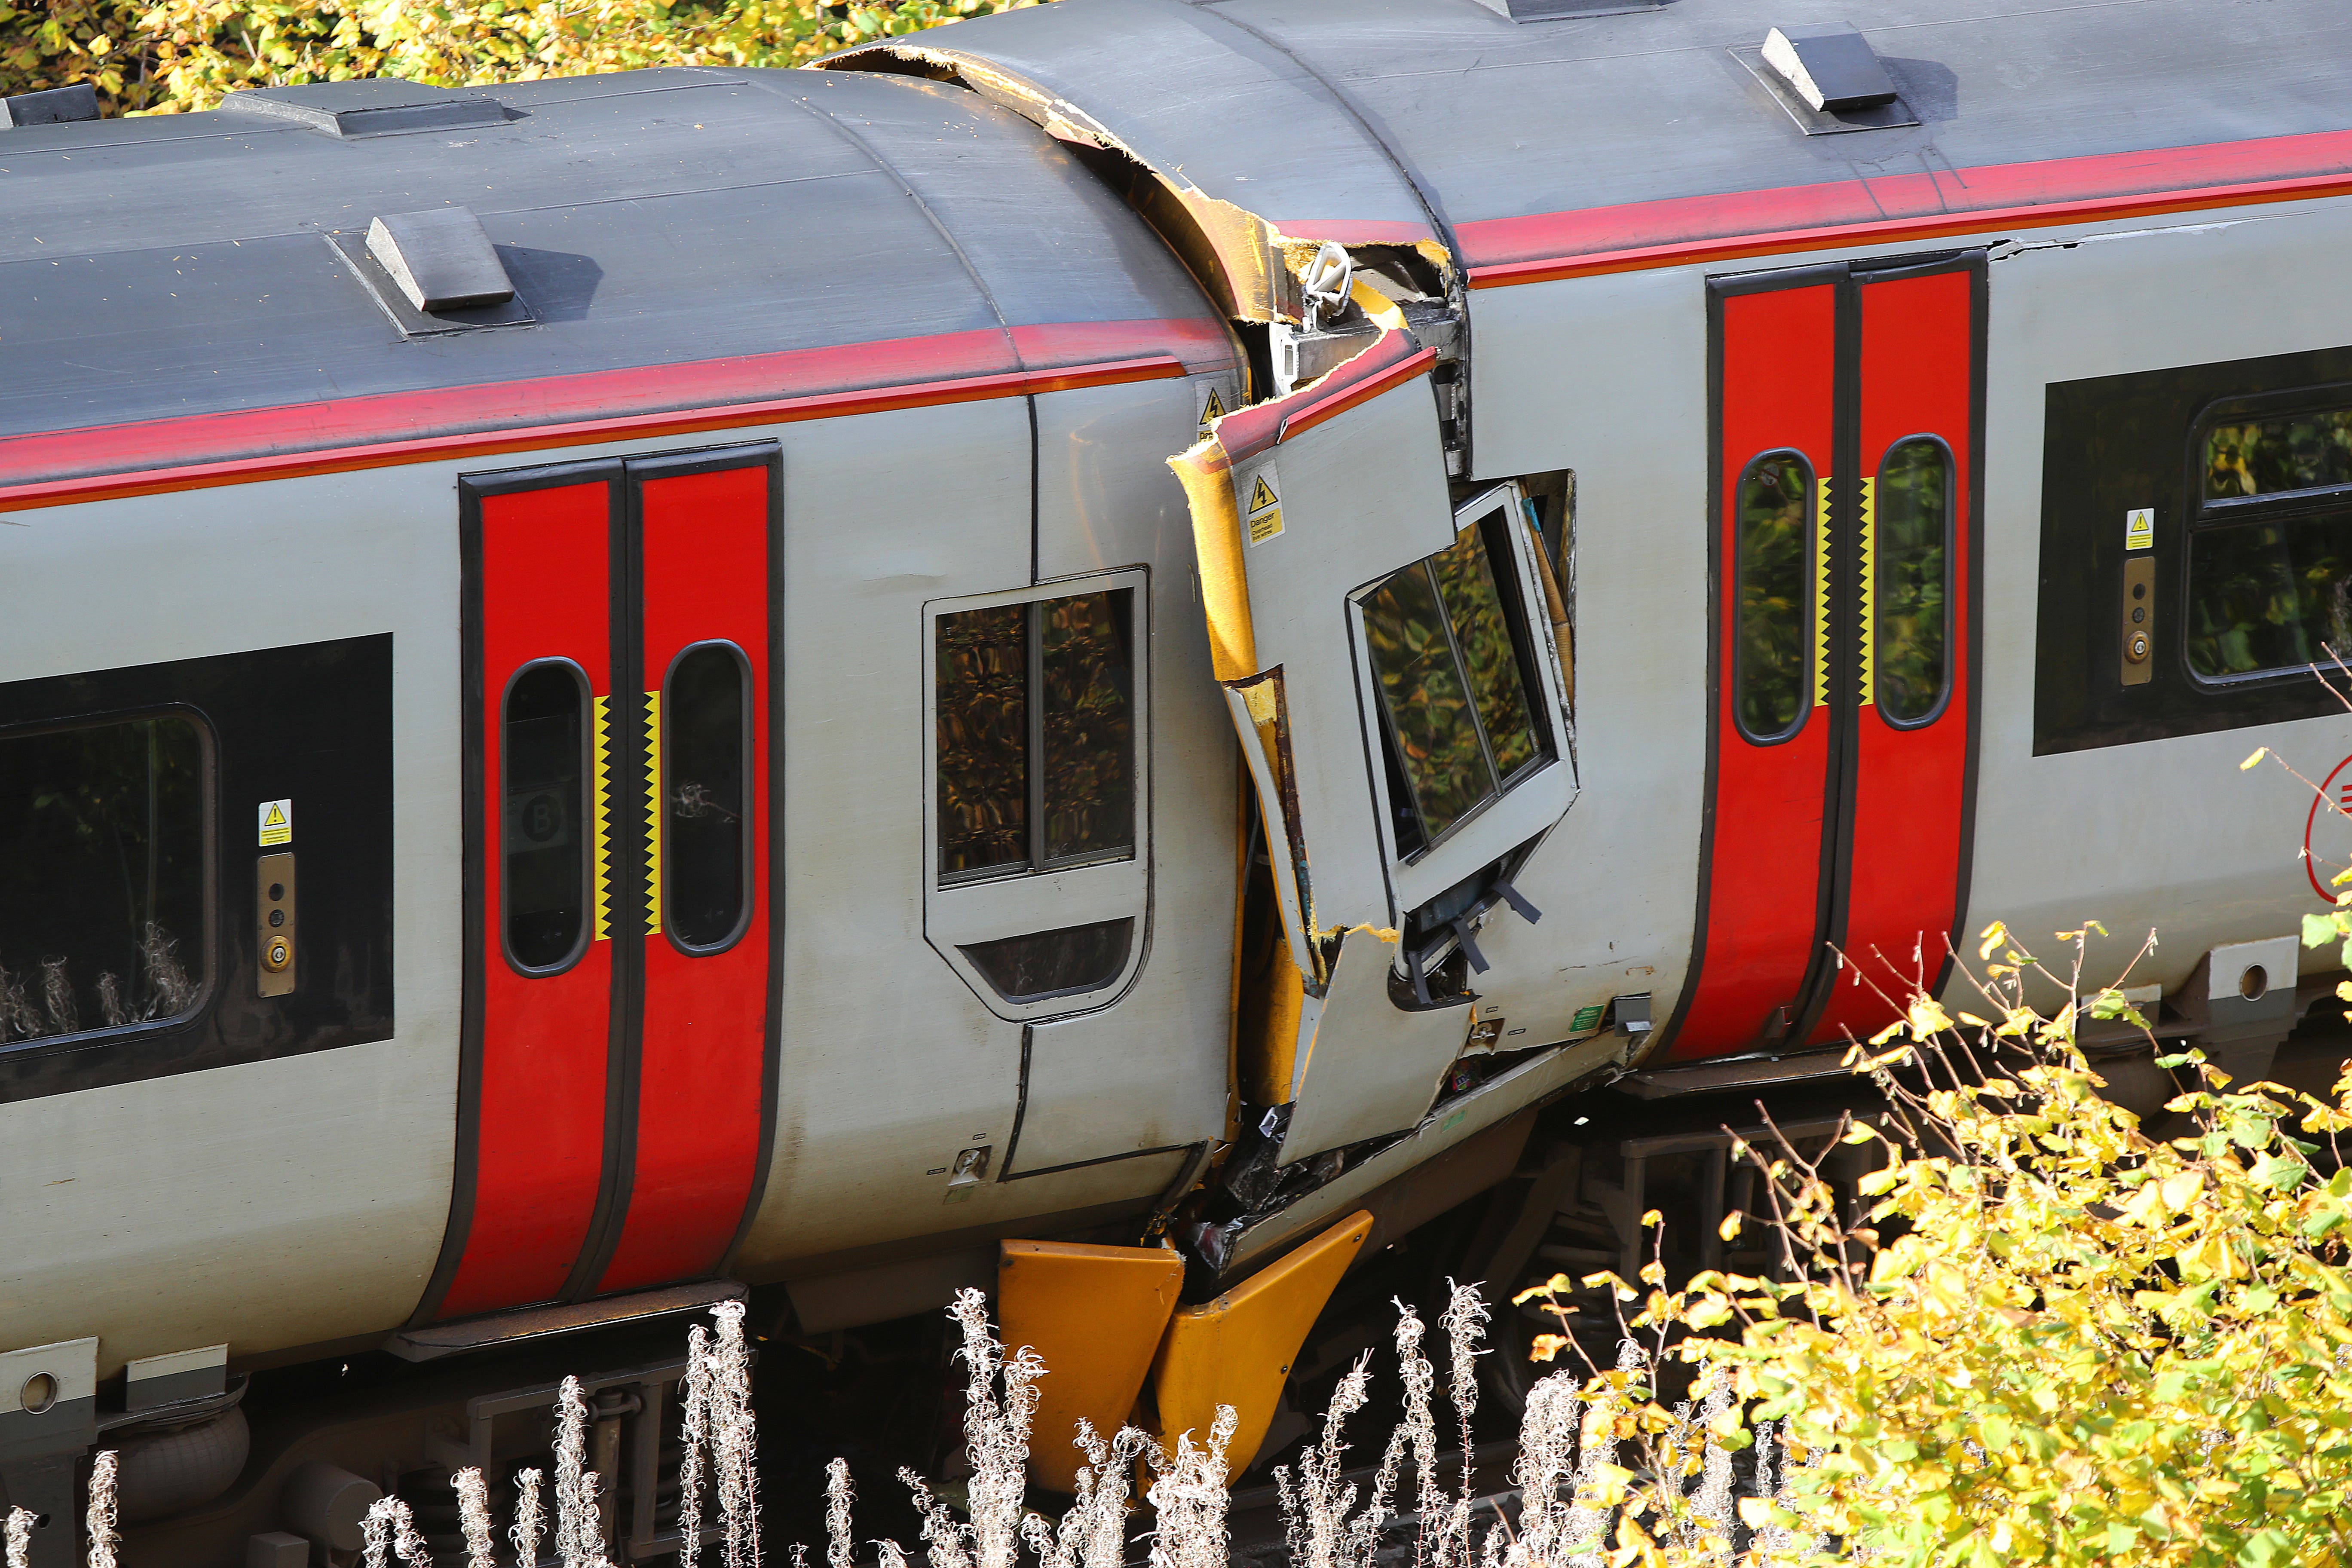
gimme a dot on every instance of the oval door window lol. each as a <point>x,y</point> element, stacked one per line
<point>1911,596</point>
<point>1774,617</point>
<point>707,788</point>
<point>542,751</point>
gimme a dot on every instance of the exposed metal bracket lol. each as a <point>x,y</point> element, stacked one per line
<point>500,1330</point>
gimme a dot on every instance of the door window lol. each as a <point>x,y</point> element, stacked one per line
<point>1775,609</point>
<point>544,879</point>
<point>1909,544</point>
<point>102,876</point>
<point>706,839</point>
<point>1451,657</point>
<point>1035,735</point>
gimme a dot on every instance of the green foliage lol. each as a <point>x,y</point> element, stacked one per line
<point>2050,1339</point>
<point>180,55</point>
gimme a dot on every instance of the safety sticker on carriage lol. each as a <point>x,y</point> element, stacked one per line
<point>1264,512</point>
<point>1213,408</point>
<point>2139,528</point>
<point>277,821</point>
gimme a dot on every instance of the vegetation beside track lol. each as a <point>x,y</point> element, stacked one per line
<point>174,56</point>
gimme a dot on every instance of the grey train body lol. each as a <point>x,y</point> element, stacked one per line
<point>954,304</point>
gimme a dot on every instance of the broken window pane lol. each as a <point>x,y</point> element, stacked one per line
<point>545,866</point>
<point>1775,621</point>
<point>1426,699</point>
<point>1466,576</point>
<point>706,775</point>
<point>982,694</point>
<point>1086,666</point>
<point>1913,501</point>
<point>102,876</point>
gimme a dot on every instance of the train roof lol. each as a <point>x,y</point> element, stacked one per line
<point>771,232</point>
<point>1271,104</point>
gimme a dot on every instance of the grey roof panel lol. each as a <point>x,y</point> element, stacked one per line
<point>663,218</point>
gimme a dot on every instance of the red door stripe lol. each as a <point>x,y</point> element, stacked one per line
<point>539,1150</point>
<point>1916,378</point>
<point>1764,856</point>
<point>704,546</point>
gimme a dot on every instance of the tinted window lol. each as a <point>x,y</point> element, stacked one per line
<point>1774,619</point>
<point>1911,571</point>
<point>1447,650</point>
<point>102,876</point>
<point>983,739</point>
<point>1050,964</point>
<point>2268,596</point>
<point>706,783</point>
<point>1085,667</point>
<point>1036,734</point>
<point>544,881</point>
<point>2290,452</point>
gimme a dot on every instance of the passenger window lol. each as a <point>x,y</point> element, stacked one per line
<point>2270,586</point>
<point>1450,652</point>
<point>102,876</point>
<point>1774,612</point>
<point>1911,564</point>
<point>544,873</point>
<point>1036,735</point>
<point>706,779</point>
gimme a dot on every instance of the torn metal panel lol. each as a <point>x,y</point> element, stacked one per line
<point>1296,502</point>
<point>1370,1067</point>
<point>1261,156</point>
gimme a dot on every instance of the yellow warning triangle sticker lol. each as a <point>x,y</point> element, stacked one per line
<point>1214,408</point>
<point>276,818</point>
<point>1261,496</point>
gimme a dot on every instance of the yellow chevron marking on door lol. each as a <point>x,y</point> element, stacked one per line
<point>600,841</point>
<point>653,813</point>
<point>1821,593</point>
<point>1869,579</point>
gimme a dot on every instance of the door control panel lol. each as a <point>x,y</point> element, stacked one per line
<point>2140,619</point>
<point>274,937</point>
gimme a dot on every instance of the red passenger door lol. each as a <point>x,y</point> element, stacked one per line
<point>1843,599</point>
<point>619,1023</point>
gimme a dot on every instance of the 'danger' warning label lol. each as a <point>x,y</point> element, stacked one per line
<point>277,821</point>
<point>1263,515</point>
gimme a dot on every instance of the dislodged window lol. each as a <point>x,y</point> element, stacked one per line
<point>102,876</point>
<point>543,870</point>
<point>1773,601</point>
<point>706,780</point>
<point>1036,735</point>
<point>1911,565</point>
<point>1451,652</point>
<point>2269,548</point>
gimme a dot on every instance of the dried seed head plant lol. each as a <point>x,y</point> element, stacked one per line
<point>388,1532</point>
<point>20,1537</point>
<point>720,1432</point>
<point>474,1517</point>
<point>1188,1492</point>
<point>99,1521</point>
<point>529,1523</point>
<point>579,1525</point>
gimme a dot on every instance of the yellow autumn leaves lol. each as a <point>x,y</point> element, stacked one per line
<point>178,55</point>
<point>2046,1336</point>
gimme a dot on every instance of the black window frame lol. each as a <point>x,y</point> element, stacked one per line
<point>587,826</point>
<point>1494,522</point>
<point>747,877</point>
<point>209,895</point>
<point>1812,631</point>
<point>1951,545</point>
<point>1037,862</point>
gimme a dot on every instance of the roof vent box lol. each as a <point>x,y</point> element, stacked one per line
<point>433,272</point>
<point>1828,78</point>
<point>55,106</point>
<point>372,106</point>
